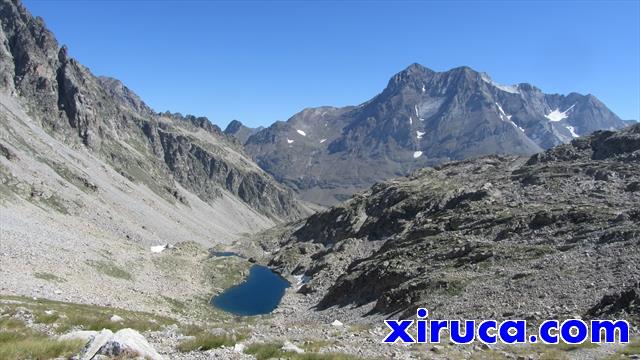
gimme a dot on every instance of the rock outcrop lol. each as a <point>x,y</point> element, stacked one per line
<point>544,237</point>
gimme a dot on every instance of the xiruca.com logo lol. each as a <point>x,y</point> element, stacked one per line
<point>571,331</point>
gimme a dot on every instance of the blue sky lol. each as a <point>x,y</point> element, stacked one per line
<point>261,61</point>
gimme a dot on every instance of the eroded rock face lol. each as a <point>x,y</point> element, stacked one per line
<point>541,237</point>
<point>110,120</point>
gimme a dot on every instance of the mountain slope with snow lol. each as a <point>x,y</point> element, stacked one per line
<point>421,118</point>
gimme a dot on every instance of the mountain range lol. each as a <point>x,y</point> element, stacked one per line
<point>422,118</point>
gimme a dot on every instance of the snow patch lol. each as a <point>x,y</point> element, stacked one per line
<point>512,89</point>
<point>337,323</point>
<point>322,140</point>
<point>557,115</point>
<point>423,88</point>
<point>517,126</point>
<point>419,134</point>
<point>417,112</point>
<point>410,120</point>
<point>572,130</point>
<point>301,132</point>
<point>417,154</point>
<point>503,114</point>
<point>159,248</point>
<point>301,279</point>
<point>289,141</point>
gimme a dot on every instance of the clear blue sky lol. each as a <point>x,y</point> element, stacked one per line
<point>260,61</point>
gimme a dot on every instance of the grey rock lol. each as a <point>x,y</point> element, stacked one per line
<point>95,344</point>
<point>128,342</point>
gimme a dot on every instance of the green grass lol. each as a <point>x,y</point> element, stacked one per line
<point>19,342</point>
<point>176,306</point>
<point>316,345</point>
<point>265,351</point>
<point>68,316</point>
<point>49,277</point>
<point>206,341</point>
<point>110,269</point>
<point>36,347</point>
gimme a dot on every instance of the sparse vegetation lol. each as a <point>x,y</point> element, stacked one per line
<point>69,316</point>
<point>265,351</point>
<point>110,269</point>
<point>206,341</point>
<point>49,277</point>
<point>633,348</point>
<point>19,342</point>
<point>316,345</point>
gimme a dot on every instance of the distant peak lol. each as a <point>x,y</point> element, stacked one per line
<point>416,69</point>
<point>463,68</point>
<point>234,126</point>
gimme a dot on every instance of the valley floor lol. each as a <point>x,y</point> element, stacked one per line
<point>165,296</point>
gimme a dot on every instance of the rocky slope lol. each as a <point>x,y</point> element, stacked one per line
<point>551,236</point>
<point>113,123</point>
<point>421,118</point>
<point>91,179</point>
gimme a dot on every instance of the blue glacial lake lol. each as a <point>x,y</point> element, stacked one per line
<point>260,293</point>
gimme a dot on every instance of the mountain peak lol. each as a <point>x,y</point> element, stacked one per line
<point>240,131</point>
<point>233,126</point>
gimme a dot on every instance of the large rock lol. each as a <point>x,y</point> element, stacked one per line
<point>95,344</point>
<point>124,343</point>
<point>128,342</point>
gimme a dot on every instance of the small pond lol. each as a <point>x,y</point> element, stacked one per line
<point>260,293</point>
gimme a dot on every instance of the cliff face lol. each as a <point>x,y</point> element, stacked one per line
<point>103,115</point>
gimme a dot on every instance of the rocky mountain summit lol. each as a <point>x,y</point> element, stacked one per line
<point>552,236</point>
<point>239,131</point>
<point>421,118</point>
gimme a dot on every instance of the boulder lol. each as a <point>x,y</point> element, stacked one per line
<point>95,344</point>
<point>126,342</point>
<point>289,347</point>
<point>84,335</point>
